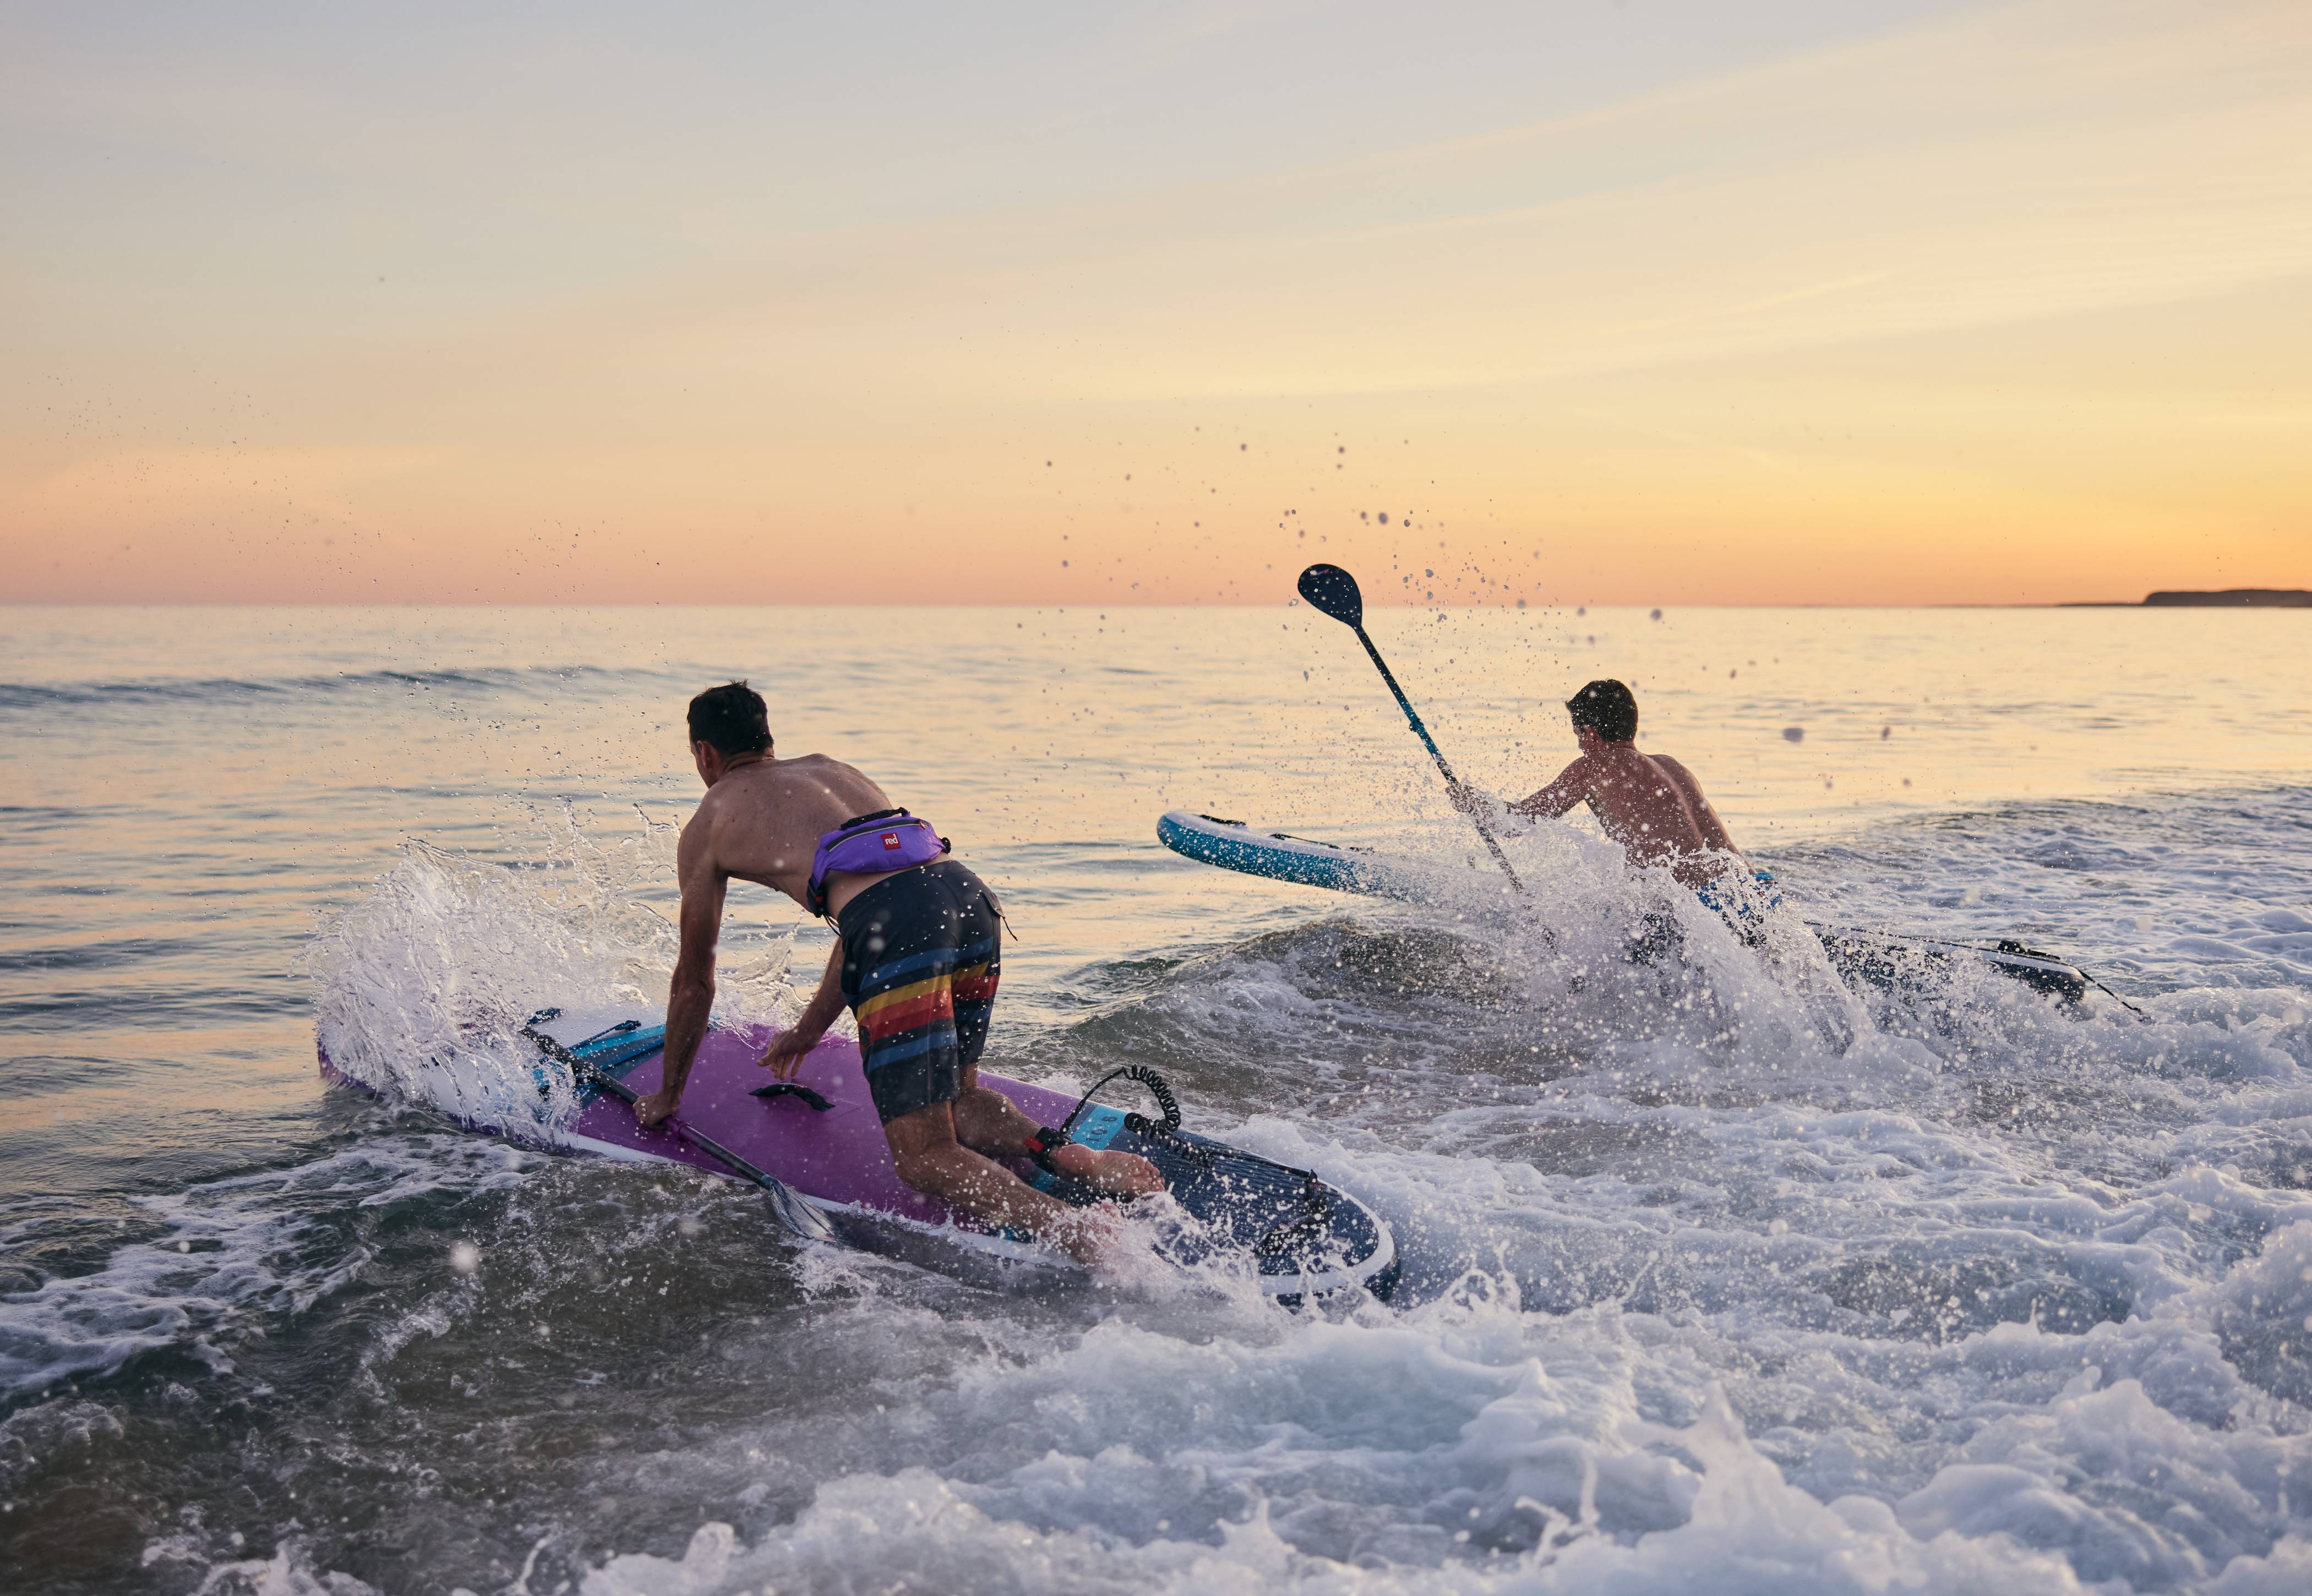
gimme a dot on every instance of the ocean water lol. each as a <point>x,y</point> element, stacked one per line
<point>1721,1278</point>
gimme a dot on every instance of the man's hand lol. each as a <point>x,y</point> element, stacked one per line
<point>1466,798</point>
<point>784,1056</point>
<point>655,1109</point>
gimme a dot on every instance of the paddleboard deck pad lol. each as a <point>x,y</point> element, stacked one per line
<point>1890,962</point>
<point>819,1135</point>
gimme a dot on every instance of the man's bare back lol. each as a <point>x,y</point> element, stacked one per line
<point>1650,804</point>
<point>762,821</point>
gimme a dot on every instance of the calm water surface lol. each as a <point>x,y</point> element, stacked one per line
<point>1721,1278</point>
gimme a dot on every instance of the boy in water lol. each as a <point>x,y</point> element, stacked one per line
<point>1648,803</point>
<point>917,957</point>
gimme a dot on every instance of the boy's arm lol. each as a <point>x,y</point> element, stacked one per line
<point>1552,802</point>
<point>1472,800</point>
<point>1570,788</point>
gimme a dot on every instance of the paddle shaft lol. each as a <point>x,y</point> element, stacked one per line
<point>1429,742</point>
<point>797,1217</point>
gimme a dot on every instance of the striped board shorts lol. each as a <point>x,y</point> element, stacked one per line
<point>922,953</point>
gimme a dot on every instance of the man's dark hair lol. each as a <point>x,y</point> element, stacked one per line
<point>1608,709</point>
<point>732,718</point>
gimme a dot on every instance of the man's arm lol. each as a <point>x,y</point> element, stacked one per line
<point>1552,801</point>
<point>787,1049</point>
<point>1471,801</point>
<point>690,995</point>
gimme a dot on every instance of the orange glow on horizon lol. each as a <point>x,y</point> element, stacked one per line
<point>2007,305</point>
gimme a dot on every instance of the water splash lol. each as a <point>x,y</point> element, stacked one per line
<point>426,981</point>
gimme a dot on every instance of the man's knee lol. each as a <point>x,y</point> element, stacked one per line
<point>990,1124</point>
<point>918,1170</point>
<point>918,1141</point>
<point>975,1099</point>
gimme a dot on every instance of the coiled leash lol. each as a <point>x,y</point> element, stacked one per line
<point>1158,1088</point>
<point>1050,1138</point>
<point>1317,1210</point>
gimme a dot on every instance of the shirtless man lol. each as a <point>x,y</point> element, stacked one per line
<point>917,956</point>
<point>1648,803</point>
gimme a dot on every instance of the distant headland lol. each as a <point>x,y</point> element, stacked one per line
<point>2217,598</point>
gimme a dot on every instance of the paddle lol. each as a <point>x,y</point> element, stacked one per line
<point>803,1219</point>
<point>1333,590</point>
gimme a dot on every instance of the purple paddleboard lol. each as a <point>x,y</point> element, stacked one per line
<point>1306,1238</point>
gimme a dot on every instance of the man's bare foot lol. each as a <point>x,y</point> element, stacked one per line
<point>1089,1235</point>
<point>1113,1175</point>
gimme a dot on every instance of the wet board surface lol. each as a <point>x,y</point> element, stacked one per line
<point>1305,1237</point>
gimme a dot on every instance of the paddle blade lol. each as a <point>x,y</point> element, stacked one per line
<point>802,1217</point>
<point>1334,591</point>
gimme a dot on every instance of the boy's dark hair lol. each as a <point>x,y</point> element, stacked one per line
<point>1607,708</point>
<point>732,718</point>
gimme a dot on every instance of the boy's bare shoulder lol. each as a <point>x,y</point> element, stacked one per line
<point>1687,783</point>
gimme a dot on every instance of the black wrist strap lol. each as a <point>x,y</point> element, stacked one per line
<point>1044,1144</point>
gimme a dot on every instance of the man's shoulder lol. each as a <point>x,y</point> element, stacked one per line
<point>814,767</point>
<point>1579,776</point>
<point>1686,780</point>
<point>696,843</point>
<point>735,797</point>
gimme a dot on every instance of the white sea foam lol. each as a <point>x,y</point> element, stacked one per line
<point>1719,1278</point>
<point>425,982</point>
<point>1468,1447</point>
<point>230,1256</point>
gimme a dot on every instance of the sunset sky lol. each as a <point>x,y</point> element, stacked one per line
<point>1876,301</point>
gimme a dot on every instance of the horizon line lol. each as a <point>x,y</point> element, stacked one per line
<point>196,604</point>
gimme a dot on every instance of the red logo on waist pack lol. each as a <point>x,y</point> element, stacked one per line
<point>891,842</point>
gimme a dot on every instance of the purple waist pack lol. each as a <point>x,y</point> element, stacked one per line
<point>887,840</point>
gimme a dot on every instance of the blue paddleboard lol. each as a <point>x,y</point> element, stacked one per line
<point>1233,845</point>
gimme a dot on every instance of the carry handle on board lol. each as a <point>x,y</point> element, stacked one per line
<point>801,1217</point>
<point>1334,591</point>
